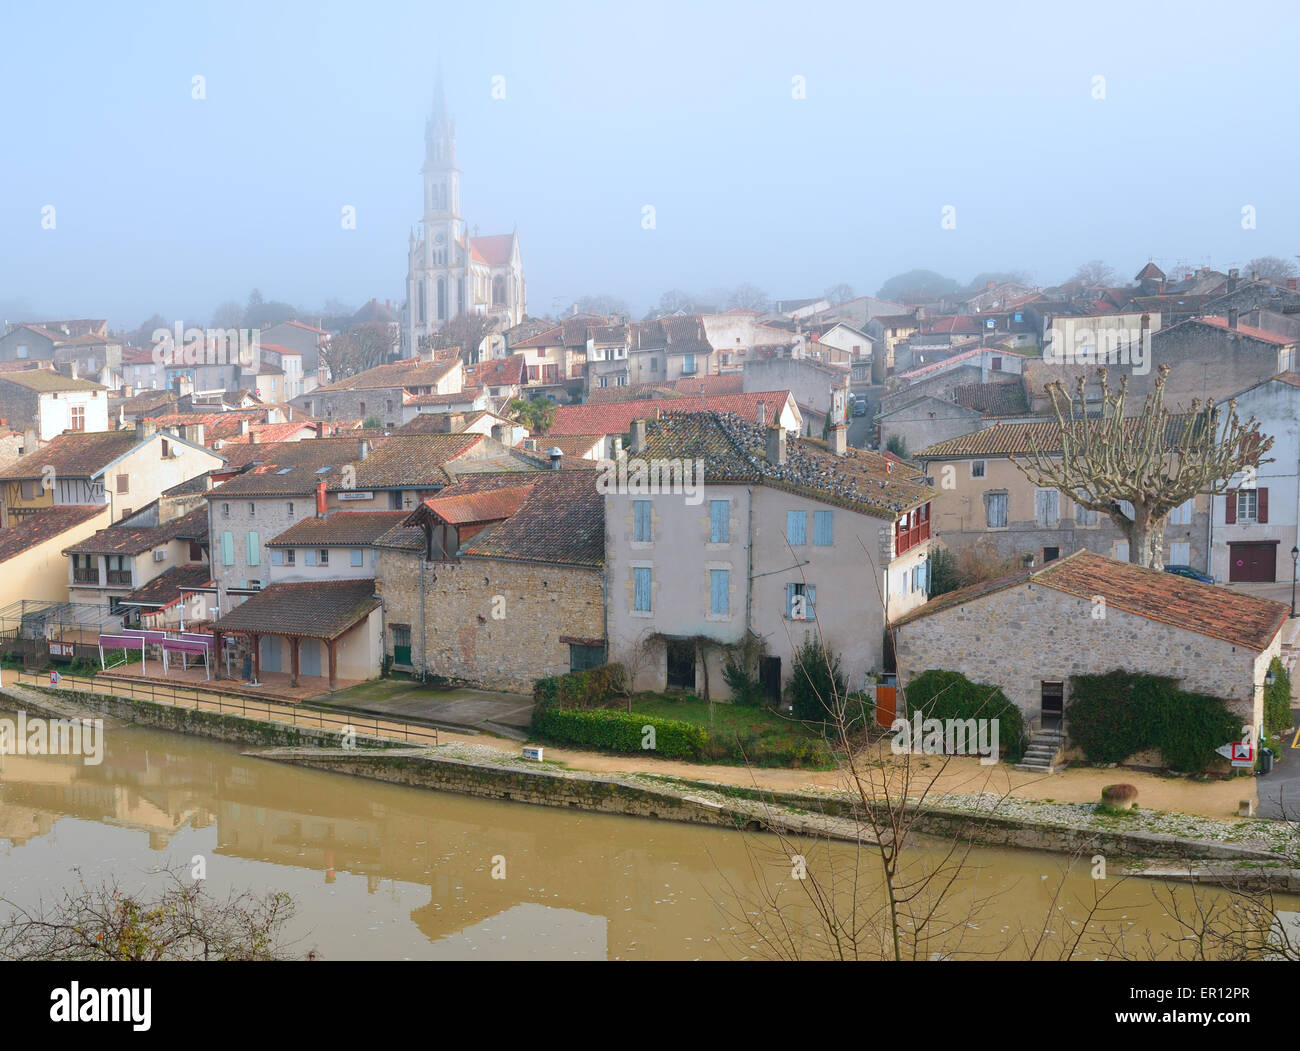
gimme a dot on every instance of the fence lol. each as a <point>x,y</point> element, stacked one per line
<point>249,707</point>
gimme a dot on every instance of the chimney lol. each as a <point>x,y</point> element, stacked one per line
<point>776,446</point>
<point>762,414</point>
<point>145,429</point>
<point>195,433</point>
<point>1232,318</point>
<point>363,448</point>
<point>1291,283</point>
<point>1146,323</point>
<point>320,499</point>
<point>637,444</point>
<point>839,438</point>
<point>243,425</point>
<point>556,456</point>
<point>1233,276</point>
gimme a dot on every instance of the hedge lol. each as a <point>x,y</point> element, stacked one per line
<point>950,695</point>
<point>1277,698</point>
<point>1117,714</point>
<point>619,731</point>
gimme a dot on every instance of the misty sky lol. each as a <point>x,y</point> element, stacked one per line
<point>168,204</point>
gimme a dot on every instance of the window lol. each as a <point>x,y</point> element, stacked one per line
<point>641,526</point>
<point>654,364</point>
<point>309,557</point>
<point>1247,505</point>
<point>356,556</point>
<point>977,468</point>
<point>277,557</point>
<point>1051,554</point>
<point>227,548</point>
<point>252,548</point>
<point>688,363</point>
<point>291,556</point>
<point>582,657</point>
<point>919,576</point>
<point>1121,550</point>
<point>196,551</point>
<point>123,483</point>
<point>1182,514</point>
<point>796,527</point>
<point>823,531</point>
<point>363,411</point>
<point>719,521</point>
<point>1180,553</point>
<point>290,508</point>
<point>252,509</point>
<point>225,510</point>
<point>1047,508</point>
<point>22,350</point>
<point>163,448</point>
<point>720,592</point>
<point>996,365</point>
<point>323,556</point>
<point>78,417</point>
<point>641,589</point>
<point>995,510</point>
<point>799,601</point>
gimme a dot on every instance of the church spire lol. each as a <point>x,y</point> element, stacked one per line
<point>439,130</point>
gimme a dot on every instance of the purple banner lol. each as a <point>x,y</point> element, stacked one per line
<point>184,646</point>
<point>122,642</point>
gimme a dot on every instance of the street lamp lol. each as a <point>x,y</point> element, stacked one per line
<point>1295,558</point>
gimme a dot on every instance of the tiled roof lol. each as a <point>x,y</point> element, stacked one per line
<point>165,589</point>
<point>617,417</point>
<point>493,249</point>
<point>339,528</point>
<point>124,540</point>
<point>465,397</point>
<point>47,380</point>
<point>499,372</point>
<point>72,456</point>
<point>1205,609</point>
<point>573,446</point>
<point>42,526</point>
<point>482,505</point>
<point>408,373</point>
<point>1246,330</point>
<point>958,324</point>
<point>1009,439</point>
<point>992,399</point>
<point>561,521</point>
<point>551,337</point>
<point>412,460</point>
<point>312,609</point>
<point>270,433</point>
<point>734,450</point>
<point>286,468</point>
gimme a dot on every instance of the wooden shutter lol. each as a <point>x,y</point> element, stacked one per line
<point>251,547</point>
<point>822,529</point>
<point>227,548</point>
<point>1263,505</point>
<point>719,521</point>
<point>1230,509</point>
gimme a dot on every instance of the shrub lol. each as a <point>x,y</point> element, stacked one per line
<point>593,688</point>
<point>897,445</point>
<point>817,684</point>
<point>1277,698</point>
<point>745,688</point>
<point>950,695</point>
<point>1117,714</point>
<point>619,732</point>
<point>944,575</point>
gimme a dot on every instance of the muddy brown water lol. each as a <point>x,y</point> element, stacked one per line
<point>386,872</point>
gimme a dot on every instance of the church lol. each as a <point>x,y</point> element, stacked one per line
<point>450,272</point>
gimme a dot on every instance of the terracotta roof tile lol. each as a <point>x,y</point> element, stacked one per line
<point>124,540</point>
<point>617,417</point>
<point>342,528</point>
<point>41,526</point>
<point>1010,439</point>
<point>311,609</point>
<point>992,399</point>
<point>165,589</point>
<point>72,456</point>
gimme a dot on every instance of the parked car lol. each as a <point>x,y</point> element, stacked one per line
<point>1190,573</point>
<point>860,407</point>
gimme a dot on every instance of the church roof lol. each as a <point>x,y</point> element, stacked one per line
<point>494,249</point>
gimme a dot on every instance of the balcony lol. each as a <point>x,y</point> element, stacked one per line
<point>85,576</point>
<point>119,577</point>
<point>912,529</point>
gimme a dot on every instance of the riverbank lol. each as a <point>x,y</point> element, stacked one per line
<point>794,803</point>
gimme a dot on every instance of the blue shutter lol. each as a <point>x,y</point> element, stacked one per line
<point>641,520</point>
<point>796,527</point>
<point>309,556</point>
<point>277,557</point>
<point>227,548</point>
<point>357,555</point>
<point>719,591</point>
<point>719,521</point>
<point>254,556</point>
<point>810,606</point>
<point>823,531</point>
<point>641,582</point>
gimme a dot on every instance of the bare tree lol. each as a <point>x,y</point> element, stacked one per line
<point>358,349</point>
<point>748,296</point>
<point>1154,461</point>
<point>603,305</point>
<point>840,293</point>
<point>104,922</point>
<point>1095,273</point>
<point>467,331</point>
<point>1272,268</point>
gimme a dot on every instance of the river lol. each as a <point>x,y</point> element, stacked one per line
<point>380,871</point>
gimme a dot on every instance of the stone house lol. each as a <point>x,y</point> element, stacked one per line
<point>339,546</point>
<point>1030,631</point>
<point>987,504</point>
<point>298,336</point>
<point>778,539</point>
<point>813,384</point>
<point>382,391</point>
<point>498,580</point>
<point>926,420</point>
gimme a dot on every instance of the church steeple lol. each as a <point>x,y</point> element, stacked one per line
<point>439,131</point>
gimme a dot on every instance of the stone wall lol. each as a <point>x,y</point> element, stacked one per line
<point>491,622</point>
<point>1021,636</point>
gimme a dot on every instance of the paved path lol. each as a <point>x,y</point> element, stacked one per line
<point>506,714</point>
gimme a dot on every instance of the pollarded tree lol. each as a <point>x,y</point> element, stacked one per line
<point>1154,461</point>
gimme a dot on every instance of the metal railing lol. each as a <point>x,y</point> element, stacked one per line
<point>197,699</point>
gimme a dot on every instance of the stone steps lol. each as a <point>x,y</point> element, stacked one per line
<point>1043,753</point>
